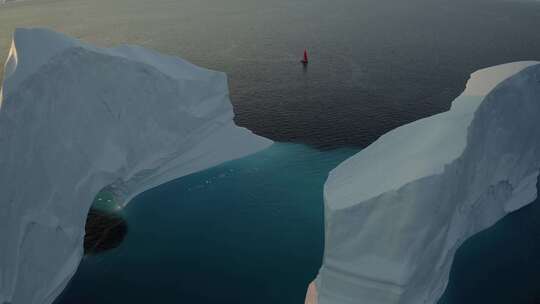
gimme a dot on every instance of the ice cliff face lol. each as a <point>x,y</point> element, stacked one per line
<point>74,119</point>
<point>397,211</point>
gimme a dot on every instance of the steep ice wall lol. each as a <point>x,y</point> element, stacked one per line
<point>74,119</point>
<point>397,211</point>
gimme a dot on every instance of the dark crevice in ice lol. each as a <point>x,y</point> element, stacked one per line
<point>104,231</point>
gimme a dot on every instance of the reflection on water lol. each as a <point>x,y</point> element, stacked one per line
<point>248,231</point>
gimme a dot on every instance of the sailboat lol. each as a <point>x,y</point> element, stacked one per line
<point>305,59</point>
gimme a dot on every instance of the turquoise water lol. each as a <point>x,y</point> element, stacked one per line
<point>251,231</point>
<point>247,231</point>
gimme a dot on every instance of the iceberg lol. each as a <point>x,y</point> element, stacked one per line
<point>396,212</point>
<point>74,119</point>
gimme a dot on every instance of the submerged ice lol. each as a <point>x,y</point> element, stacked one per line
<point>397,211</point>
<point>74,119</point>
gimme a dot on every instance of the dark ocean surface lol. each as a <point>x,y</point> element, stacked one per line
<point>375,65</point>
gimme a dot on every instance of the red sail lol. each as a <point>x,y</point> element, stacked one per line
<point>305,56</point>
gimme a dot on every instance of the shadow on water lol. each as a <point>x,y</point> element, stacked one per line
<point>105,227</point>
<point>104,231</point>
<point>499,265</point>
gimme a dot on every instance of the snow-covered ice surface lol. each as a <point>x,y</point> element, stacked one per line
<point>396,212</point>
<point>75,118</point>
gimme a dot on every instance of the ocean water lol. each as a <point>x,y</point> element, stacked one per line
<point>375,65</point>
<point>248,231</point>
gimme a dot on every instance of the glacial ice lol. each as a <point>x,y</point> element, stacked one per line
<point>396,212</point>
<point>75,118</point>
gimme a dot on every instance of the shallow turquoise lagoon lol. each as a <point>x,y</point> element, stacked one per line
<point>247,231</point>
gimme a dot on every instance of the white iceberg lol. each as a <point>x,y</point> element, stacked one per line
<point>396,212</point>
<point>75,118</point>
